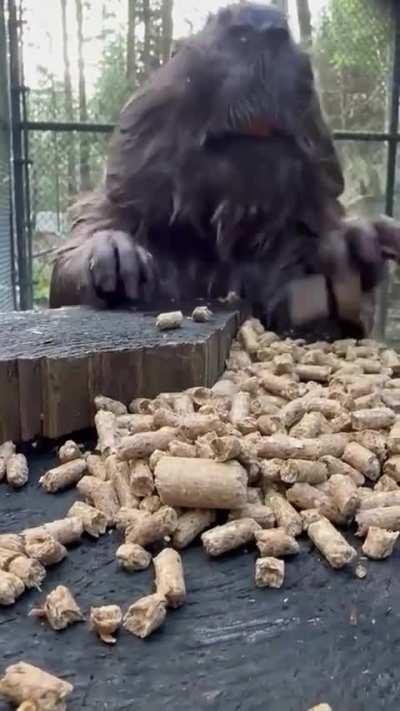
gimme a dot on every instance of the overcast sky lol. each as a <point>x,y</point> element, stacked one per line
<point>43,39</point>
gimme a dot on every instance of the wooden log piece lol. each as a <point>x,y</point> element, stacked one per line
<point>201,483</point>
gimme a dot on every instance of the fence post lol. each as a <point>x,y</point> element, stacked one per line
<point>18,163</point>
<point>383,302</point>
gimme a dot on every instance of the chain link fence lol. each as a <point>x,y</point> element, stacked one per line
<point>353,48</point>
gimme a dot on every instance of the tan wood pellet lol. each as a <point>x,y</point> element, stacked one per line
<point>249,338</point>
<point>136,423</point>
<point>132,557</point>
<point>311,425</point>
<point>11,588</point>
<point>386,483</point>
<point>117,408</point>
<point>393,441</point>
<point>169,577</point>
<point>94,522</point>
<point>69,451</point>
<point>118,473</point>
<point>6,556</point>
<point>263,515</point>
<point>280,385</point>
<point>336,466</point>
<point>66,530</point>
<point>392,467</point>
<point>96,467</point>
<point>387,518</point>
<point>143,444</point>
<point>150,528</point>
<point>166,418</point>
<point>127,516</point>
<point>376,419</point>
<point>146,615</point>
<point>44,548</point>
<point>276,543</point>
<point>141,478</point>
<point>106,621</point>
<point>380,499</point>
<point>379,544</point>
<point>101,495</point>
<point>17,471</point>
<point>303,471</point>
<point>226,448</point>
<point>106,427</point>
<point>240,408</point>
<point>202,314</point>
<point>373,440</point>
<point>201,483</point>
<point>182,449</point>
<point>26,684</point>
<point>12,541</point>
<point>141,406</point>
<point>63,476</point>
<point>151,504</point>
<point>318,373</point>
<point>363,460</point>
<point>333,546</point>
<point>344,494</point>
<point>305,496</point>
<point>269,572</point>
<point>321,707</point>
<point>190,525</point>
<point>30,571</point>
<point>169,320</point>
<point>59,609</point>
<point>229,536</point>
<point>285,514</point>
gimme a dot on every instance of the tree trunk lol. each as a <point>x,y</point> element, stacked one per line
<point>131,44</point>
<point>167,29</point>
<point>69,109</point>
<point>84,164</point>
<point>304,17</point>
<point>147,36</point>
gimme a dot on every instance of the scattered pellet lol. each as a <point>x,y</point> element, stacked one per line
<point>201,483</point>
<point>101,495</point>
<point>118,473</point>
<point>146,615</point>
<point>386,483</point>
<point>387,518</point>
<point>263,515</point>
<point>270,572</point>
<point>190,525</point>
<point>17,471</point>
<point>59,609</point>
<point>305,496</point>
<point>363,460</point>
<point>393,441</point>
<point>11,588</point>
<point>303,471</point>
<point>276,542</point>
<point>172,319</point>
<point>169,577</point>
<point>106,427</point>
<point>63,476</point>
<point>94,522</point>
<point>182,449</point>
<point>379,418</point>
<point>24,683</point>
<point>141,478</point>
<point>143,444</point>
<point>344,494</point>
<point>133,557</point>
<point>66,530</point>
<point>117,408</point>
<point>44,548</point>
<point>96,467</point>
<point>229,536</point>
<point>149,528</point>
<point>285,514</point>
<point>12,542</point>
<point>280,385</point>
<point>331,543</point>
<point>392,467</point>
<point>106,621</point>
<point>30,571</point>
<point>336,466</point>
<point>318,373</point>
<point>69,451</point>
<point>311,425</point>
<point>226,448</point>
<point>380,499</point>
<point>379,543</point>
<point>321,707</point>
<point>202,314</point>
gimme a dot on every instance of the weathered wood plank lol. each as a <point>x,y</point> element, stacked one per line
<point>10,427</point>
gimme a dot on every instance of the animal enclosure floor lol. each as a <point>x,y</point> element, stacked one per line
<point>325,636</point>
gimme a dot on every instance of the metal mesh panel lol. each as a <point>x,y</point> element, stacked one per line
<point>6,290</point>
<point>56,177</point>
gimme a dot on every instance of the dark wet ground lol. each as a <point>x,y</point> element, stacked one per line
<point>325,636</point>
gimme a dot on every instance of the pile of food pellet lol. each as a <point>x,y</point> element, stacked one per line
<point>294,439</point>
